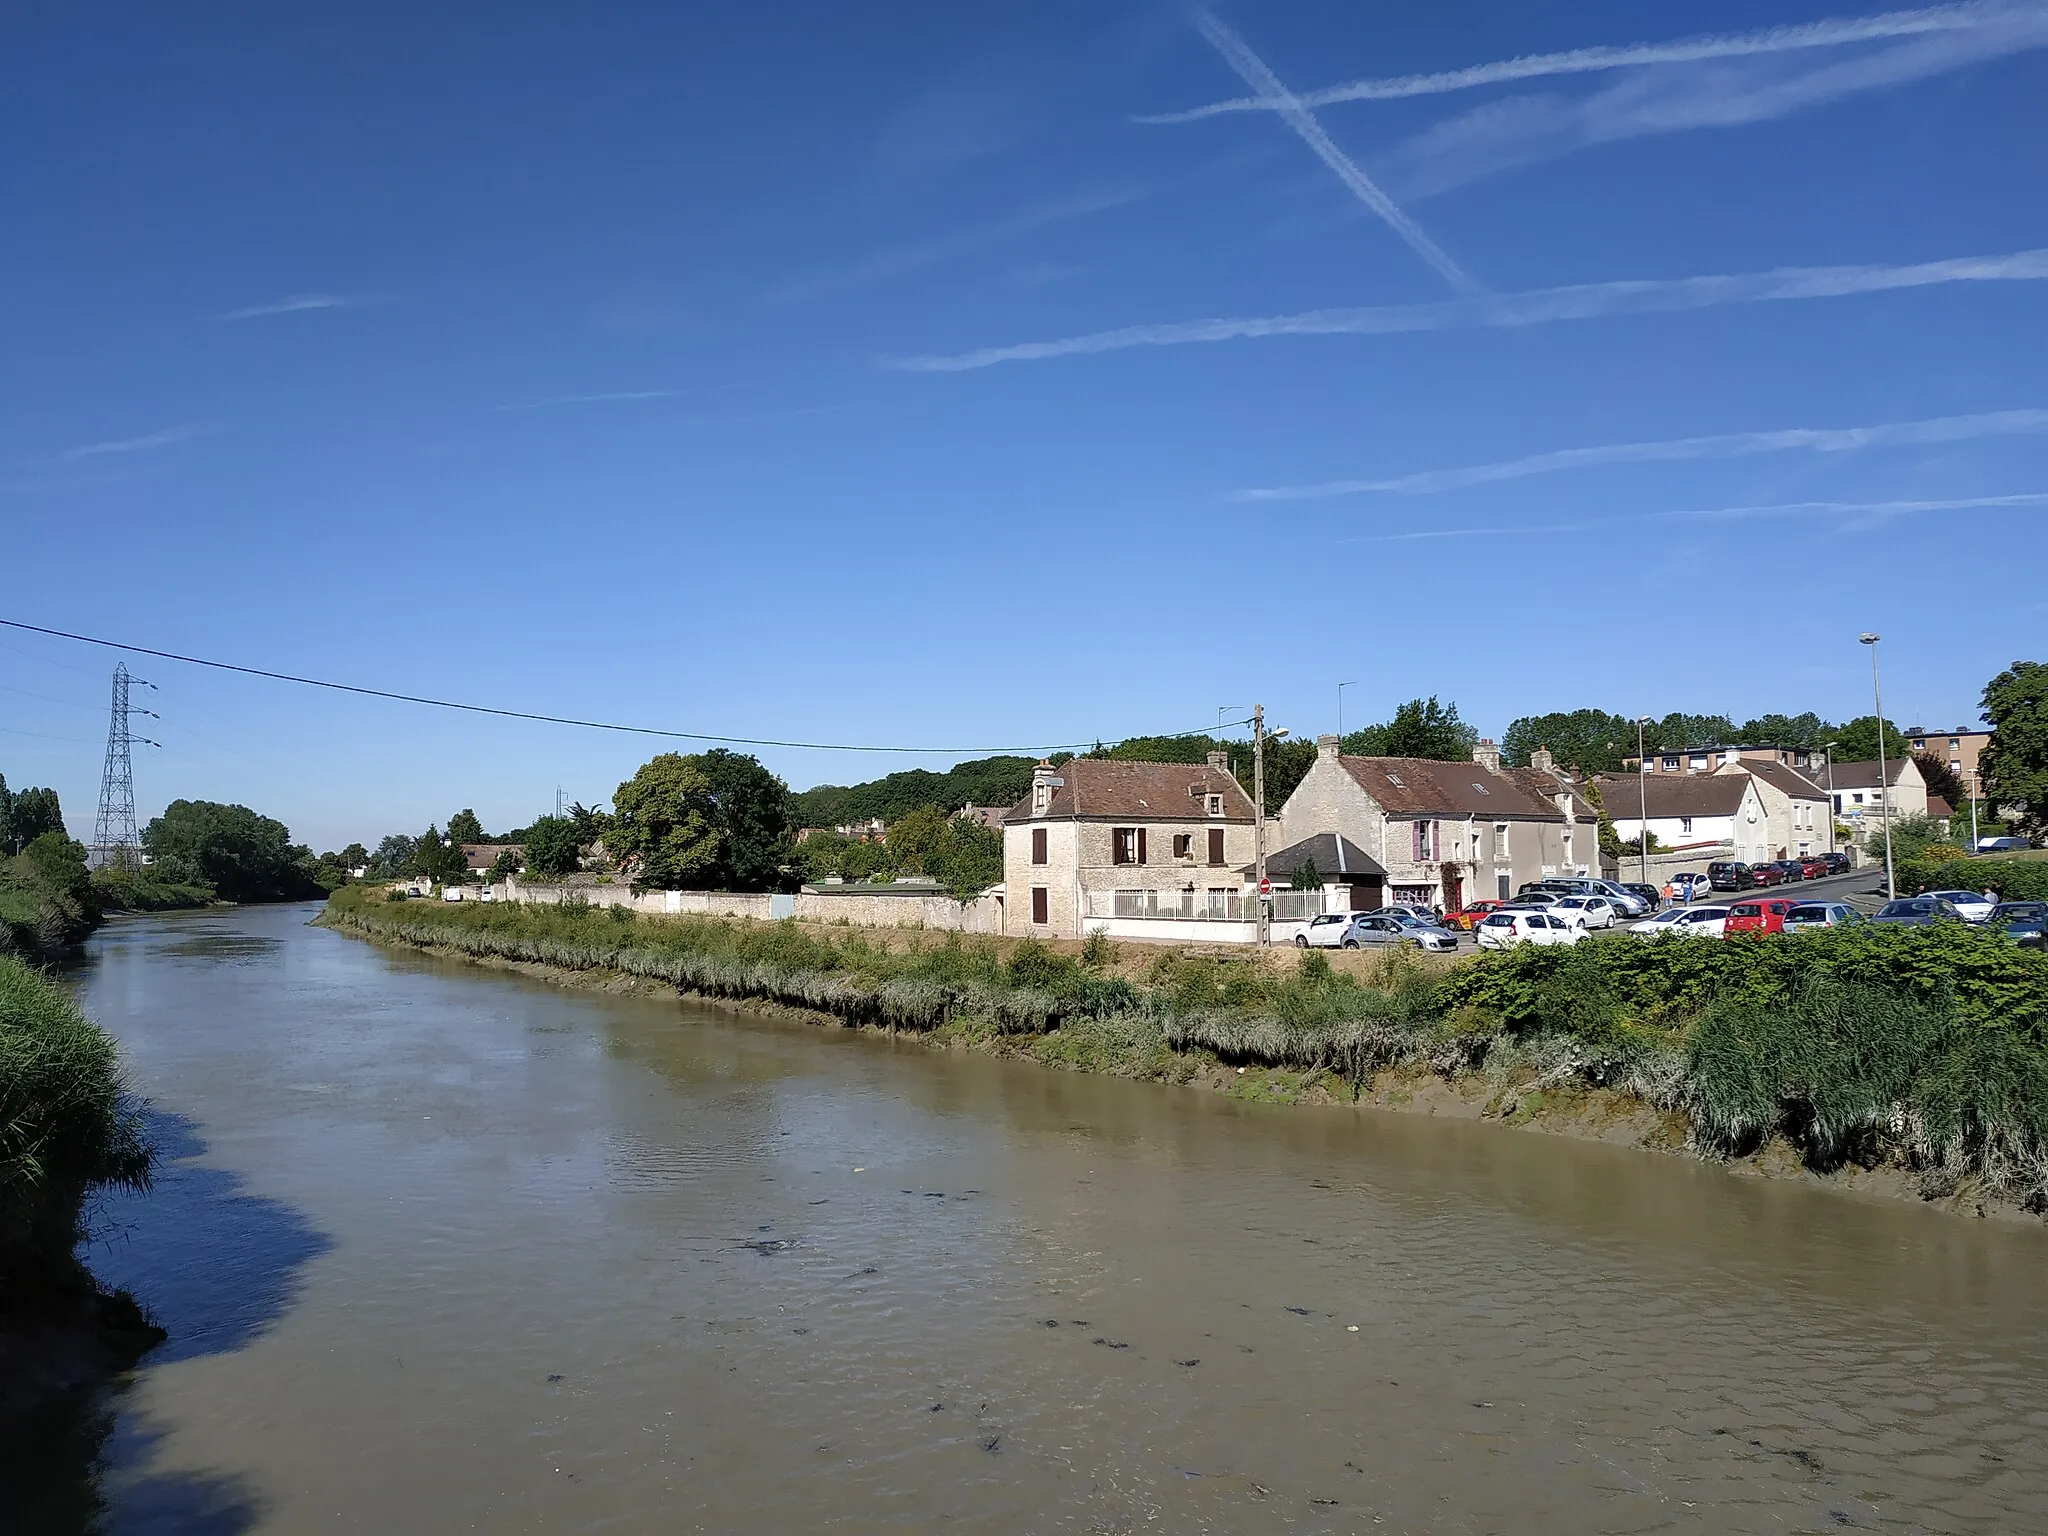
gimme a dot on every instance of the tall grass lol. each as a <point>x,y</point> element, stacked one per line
<point>1921,1047</point>
<point>67,1128</point>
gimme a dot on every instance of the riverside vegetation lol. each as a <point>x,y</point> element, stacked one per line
<point>1919,1049</point>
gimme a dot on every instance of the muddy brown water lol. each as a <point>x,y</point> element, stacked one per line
<point>446,1249</point>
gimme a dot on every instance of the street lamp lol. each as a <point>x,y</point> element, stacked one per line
<point>1884,782</point>
<point>1833,811</point>
<point>1340,709</point>
<point>1643,796</point>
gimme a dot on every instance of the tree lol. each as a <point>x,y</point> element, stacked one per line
<point>2015,761</point>
<point>1856,741</point>
<point>1307,877</point>
<point>242,855</point>
<point>1587,740</point>
<point>393,857</point>
<point>1678,730</point>
<point>355,856</point>
<point>504,866</point>
<point>663,819</point>
<point>750,814</point>
<point>1805,730</point>
<point>1942,780</point>
<point>31,813</point>
<point>463,827</point>
<point>552,847</point>
<point>442,862</point>
<point>1420,728</point>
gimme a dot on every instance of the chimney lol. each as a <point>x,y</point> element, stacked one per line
<point>1542,761</point>
<point>1220,761</point>
<point>1326,746</point>
<point>1487,755</point>
<point>1043,782</point>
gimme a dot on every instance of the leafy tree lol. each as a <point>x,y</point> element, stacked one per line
<point>979,781</point>
<point>504,866</point>
<point>31,813</point>
<point>590,823</point>
<point>1587,740</point>
<point>827,853</point>
<point>552,847</point>
<point>1307,877</point>
<point>6,818</point>
<point>355,856</point>
<point>1678,730</point>
<point>2015,760</point>
<point>1911,836</point>
<point>393,857</point>
<point>1856,741</point>
<point>1804,730</point>
<point>750,815</point>
<point>664,818</point>
<point>1942,780</point>
<point>440,861</point>
<point>1420,728</point>
<point>242,855</point>
<point>463,827</point>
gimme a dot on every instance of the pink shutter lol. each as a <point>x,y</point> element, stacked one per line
<point>1415,843</point>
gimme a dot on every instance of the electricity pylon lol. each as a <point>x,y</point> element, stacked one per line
<point>113,834</point>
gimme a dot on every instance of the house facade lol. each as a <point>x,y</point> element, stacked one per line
<point>1714,759</point>
<point>1860,794</point>
<point>1432,833</point>
<point>1140,850</point>
<point>1795,809</point>
<point>1959,748</point>
<point>1720,814</point>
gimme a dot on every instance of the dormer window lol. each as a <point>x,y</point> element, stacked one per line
<point>1395,780</point>
<point>1215,805</point>
<point>1041,797</point>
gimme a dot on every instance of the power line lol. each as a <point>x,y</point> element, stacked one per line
<point>588,725</point>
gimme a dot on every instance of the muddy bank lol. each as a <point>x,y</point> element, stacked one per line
<point>1526,1099</point>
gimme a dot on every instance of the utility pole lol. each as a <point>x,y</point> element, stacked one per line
<point>1830,750</point>
<point>1643,798</point>
<point>1265,925</point>
<point>113,829</point>
<point>1884,782</point>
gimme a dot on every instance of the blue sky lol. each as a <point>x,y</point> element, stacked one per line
<point>887,375</point>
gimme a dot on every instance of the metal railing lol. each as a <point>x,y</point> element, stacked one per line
<point>1200,906</point>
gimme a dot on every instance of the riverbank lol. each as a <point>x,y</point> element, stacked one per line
<point>1902,1062</point>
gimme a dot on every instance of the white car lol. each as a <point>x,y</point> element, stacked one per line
<point>1508,927</point>
<point>1327,931</point>
<point>1689,887</point>
<point>1975,906</point>
<point>1587,911</point>
<point>1700,922</point>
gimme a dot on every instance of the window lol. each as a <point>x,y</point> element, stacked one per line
<point>1127,845</point>
<point>1423,846</point>
<point>1684,826</point>
<point>1671,765</point>
<point>1041,797</point>
<point>1215,805</point>
<point>1395,780</point>
<point>1215,845</point>
<point>1183,845</point>
<point>1039,905</point>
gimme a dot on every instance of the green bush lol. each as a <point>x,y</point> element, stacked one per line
<point>67,1128</point>
<point>2013,879</point>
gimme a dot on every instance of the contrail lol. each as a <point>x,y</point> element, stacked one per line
<point>1239,56</point>
<point>1726,445</point>
<point>1540,306</point>
<point>296,304</point>
<point>1835,33</point>
<point>1871,510</point>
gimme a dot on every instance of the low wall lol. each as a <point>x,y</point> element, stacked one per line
<point>1669,862</point>
<point>984,914</point>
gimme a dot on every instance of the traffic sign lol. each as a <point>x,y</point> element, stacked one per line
<point>1265,887</point>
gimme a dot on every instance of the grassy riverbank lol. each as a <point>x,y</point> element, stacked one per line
<point>67,1129</point>
<point>1922,1050</point>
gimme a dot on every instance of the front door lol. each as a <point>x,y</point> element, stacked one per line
<point>1365,896</point>
<point>1454,892</point>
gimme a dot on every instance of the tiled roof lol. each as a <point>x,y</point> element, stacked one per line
<point>1420,786</point>
<point>1331,854</point>
<point>1778,776</point>
<point>1670,794</point>
<point>1091,787</point>
<point>1864,775</point>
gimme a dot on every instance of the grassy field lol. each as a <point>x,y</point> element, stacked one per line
<point>1918,1049</point>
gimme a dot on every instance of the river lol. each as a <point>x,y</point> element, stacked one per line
<point>447,1249</point>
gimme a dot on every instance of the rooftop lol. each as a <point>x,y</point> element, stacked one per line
<point>1091,787</point>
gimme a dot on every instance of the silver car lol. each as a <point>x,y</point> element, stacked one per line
<point>1386,928</point>
<point>1822,914</point>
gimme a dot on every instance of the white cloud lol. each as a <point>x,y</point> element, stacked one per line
<point>605,397</point>
<point>1253,71</point>
<point>1834,33</point>
<point>143,444</point>
<point>1853,514</point>
<point>1541,306</point>
<point>1726,445</point>
<point>287,306</point>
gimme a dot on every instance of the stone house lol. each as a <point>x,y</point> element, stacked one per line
<point>1434,833</point>
<point>1143,850</point>
<point>1722,815</point>
<point>1795,809</point>
<point>1860,796</point>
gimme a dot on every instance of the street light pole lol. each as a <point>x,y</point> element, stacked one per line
<point>1830,750</point>
<point>1884,782</point>
<point>1643,797</point>
<point>1976,792</point>
<point>1340,709</point>
<point>1264,927</point>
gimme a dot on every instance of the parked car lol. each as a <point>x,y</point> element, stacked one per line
<point>2019,919</point>
<point>1467,917</point>
<point>2003,845</point>
<point>1729,877</point>
<point>1588,911</point>
<point>1814,867</point>
<point>1377,928</point>
<point>1974,905</point>
<point>1689,886</point>
<point>1699,922</point>
<point>1917,912</point>
<point>1325,932</point>
<point>1652,897</point>
<point>1791,869</point>
<point>1507,928</point>
<point>1760,914</point>
<point>1838,862</point>
<point>1822,914</point>
<point>1762,876</point>
<point>1542,899</point>
<point>1622,898</point>
<point>1412,909</point>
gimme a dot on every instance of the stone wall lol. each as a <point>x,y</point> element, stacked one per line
<point>984,914</point>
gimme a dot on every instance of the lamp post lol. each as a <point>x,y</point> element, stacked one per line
<point>1976,793</point>
<point>1643,798</point>
<point>1884,782</point>
<point>1340,711</point>
<point>1832,812</point>
<point>1265,922</point>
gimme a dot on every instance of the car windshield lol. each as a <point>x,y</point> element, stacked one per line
<point>1918,907</point>
<point>1956,896</point>
<point>1807,914</point>
<point>2011,910</point>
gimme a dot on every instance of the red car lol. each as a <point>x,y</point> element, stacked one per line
<point>1761,914</point>
<point>1471,915</point>
<point>1815,868</point>
<point>1766,874</point>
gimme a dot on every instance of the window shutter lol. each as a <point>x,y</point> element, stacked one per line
<point>1141,845</point>
<point>1038,904</point>
<point>1215,845</point>
<point>1415,843</point>
<point>1038,855</point>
